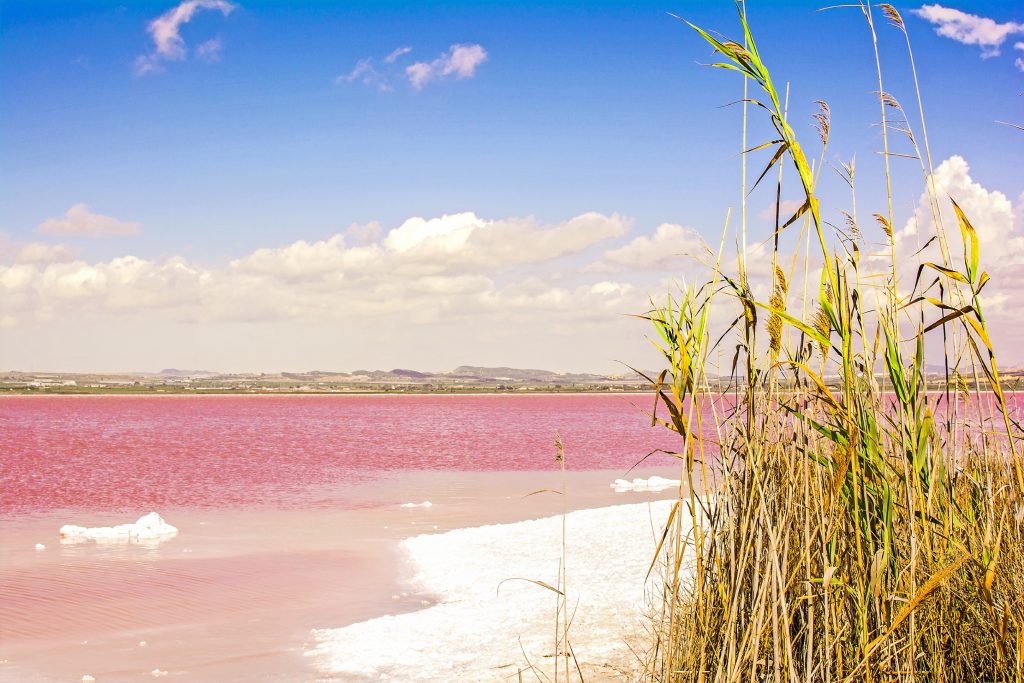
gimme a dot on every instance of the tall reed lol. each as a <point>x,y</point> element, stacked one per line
<point>863,519</point>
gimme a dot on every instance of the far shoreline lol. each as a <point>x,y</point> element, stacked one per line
<point>474,392</point>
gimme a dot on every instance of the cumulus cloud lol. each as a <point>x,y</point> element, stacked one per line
<point>991,212</point>
<point>38,252</point>
<point>970,29</point>
<point>999,223</point>
<point>427,269</point>
<point>460,61</point>
<point>79,220</point>
<point>671,247</point>
<point>18,252</point>
<point>169,46</point>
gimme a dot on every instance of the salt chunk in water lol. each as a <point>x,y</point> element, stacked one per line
<point>151,527</point>
<point>654,483</point>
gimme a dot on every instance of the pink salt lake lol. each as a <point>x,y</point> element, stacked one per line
<point>288,510</point>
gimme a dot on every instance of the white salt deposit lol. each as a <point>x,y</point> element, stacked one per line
<point>40,546</point>
<point>151,527</point>
<point>654,483</point>
<point>158,673</point>
<point>479,627</point>
<point>424,504</point>
<point>88,679</point>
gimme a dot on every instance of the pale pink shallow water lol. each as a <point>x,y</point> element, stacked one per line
<point>288,511</point>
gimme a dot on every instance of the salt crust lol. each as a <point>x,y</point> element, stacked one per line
<point>424,504</point>
<point>654,483</point>
<point>148,528</point>
<point>475,629</point>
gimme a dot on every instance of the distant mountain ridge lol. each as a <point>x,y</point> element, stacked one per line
<point>462,378</point>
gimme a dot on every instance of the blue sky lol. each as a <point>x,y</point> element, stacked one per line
<point>252,141</point>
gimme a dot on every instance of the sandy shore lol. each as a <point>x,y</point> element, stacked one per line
<point>485,627</point>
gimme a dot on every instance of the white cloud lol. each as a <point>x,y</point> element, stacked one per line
<point>991,213</point>
<point>969,29</point>
<point>428,269</point>
<point>396,53</point>
<point>79,220</point>
<point>366,73</point>
<point>169,46</point>
<point>670,248</point>
<point>38,252</point>
<point>460,61</point>
<point>17,252</point>
<point>999,223</point>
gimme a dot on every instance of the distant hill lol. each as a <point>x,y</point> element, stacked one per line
<point>502,372</point>
<point>414,374</point>
<point>174,372</point>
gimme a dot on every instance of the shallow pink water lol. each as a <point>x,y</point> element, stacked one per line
<point>109,453</point>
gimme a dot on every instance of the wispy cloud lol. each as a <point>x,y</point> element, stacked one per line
<point>169,46</point>
<point>396,53</point>
<point>209,51</point>
<point>459,61</point>
<point>366,73</point>
<point>1019,62</point>
<point>79,220</point>
<point>970,29</point>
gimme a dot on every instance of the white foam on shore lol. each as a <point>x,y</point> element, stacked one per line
<point>148,528</point>
<point>424,504</point>
<point>654,483</point>
<point>476,632</point>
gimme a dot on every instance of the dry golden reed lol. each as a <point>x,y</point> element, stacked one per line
<point>862,513</point>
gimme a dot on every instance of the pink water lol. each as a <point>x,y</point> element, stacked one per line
<point>287,509</point>
<point>128,452</point>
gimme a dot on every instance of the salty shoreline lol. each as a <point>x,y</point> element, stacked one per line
<point>260,579</point>
<point>490,621</point>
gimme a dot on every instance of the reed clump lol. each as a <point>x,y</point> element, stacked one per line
<point>864,515</point>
